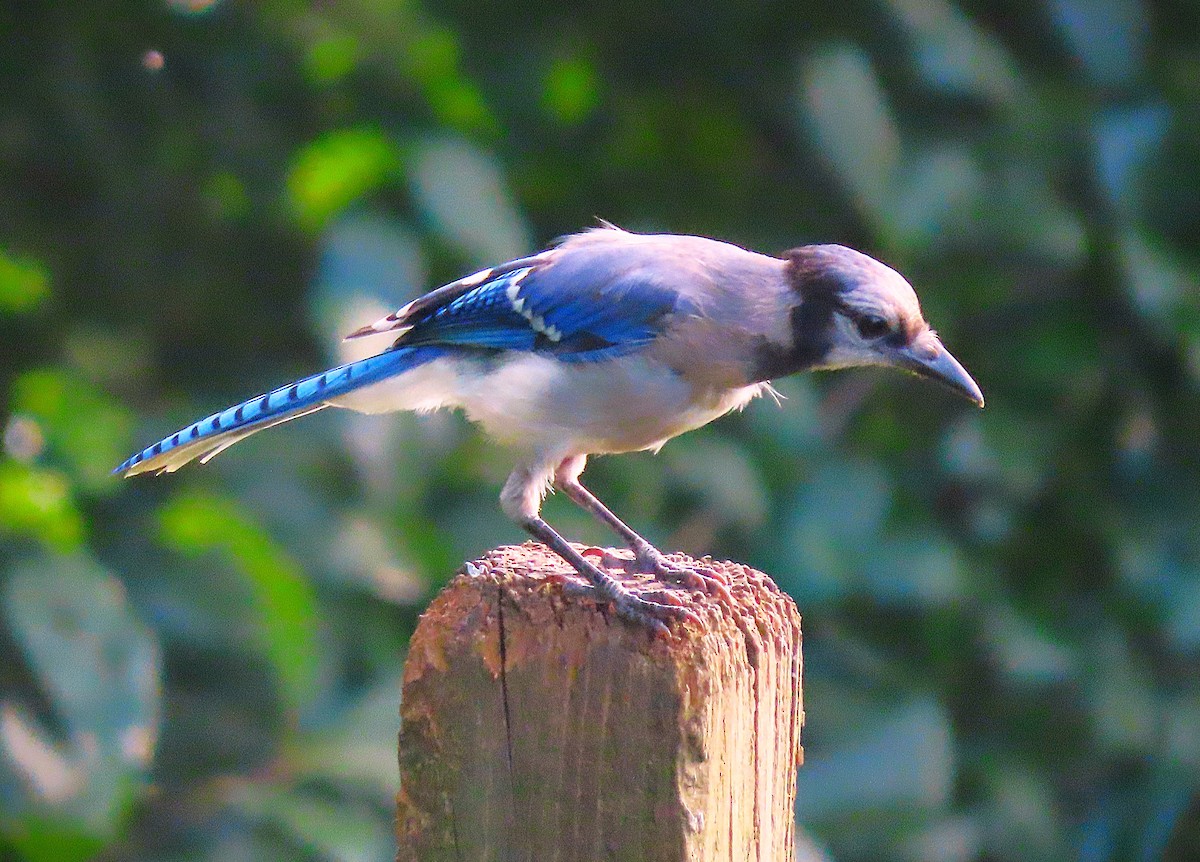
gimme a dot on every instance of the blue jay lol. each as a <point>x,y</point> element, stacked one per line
<point>608,342</point>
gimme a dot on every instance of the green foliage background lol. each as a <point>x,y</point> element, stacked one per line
<point>1002,607</point>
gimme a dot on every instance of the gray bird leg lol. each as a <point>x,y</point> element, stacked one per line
<point>649,559</point>
<point>521,499</point>
<point>628,605</point>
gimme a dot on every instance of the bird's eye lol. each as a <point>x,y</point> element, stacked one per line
<point>872,326</point>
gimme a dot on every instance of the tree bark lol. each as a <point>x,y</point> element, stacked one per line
<point>536,726</point>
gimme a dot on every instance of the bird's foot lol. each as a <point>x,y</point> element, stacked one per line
<point>652,609</point>
<point>651,561</point>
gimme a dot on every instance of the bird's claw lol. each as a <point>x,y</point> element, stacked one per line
<point>653,609</point>
<point>651,561</point>
<point>652,614</point>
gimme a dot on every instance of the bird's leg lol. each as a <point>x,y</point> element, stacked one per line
<point>649,559</point>
<point>521,500</point>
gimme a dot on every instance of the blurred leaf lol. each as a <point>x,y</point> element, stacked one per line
<point>1107,38</point>
<point>836,518</point>
<point>227,195</point>
<point>1160,285</point>
<point>846,500</point>
<point>332,57</point>
<point>947,839</point>
<point>38,502</point>
<point>1000,447</point>
<point>1125,713</point>
<point>902,760</point>
<point>36,772</point>
<point>336,832</point>
<point>1124,138</point>
<point>108,360</point>
<point>192,7</point>
<point>1181,736</point>
<point>84,427</point>
<point>1060,358</point>
<point>723,475</point>
<point>931,192</point>
<point>24,284</point>
<point>466,197</point>
<point>337,169</point>
<point>1023,652</point>
<point>808,850</point>
<point>359,748</point>
<point>1171,804</point>
<point>1158,562</point>
<point>571,90</point>
<point>1020,814</point>
<point>362,552</point>
<point>99,668</point>
<point>794,425</point>
<point>95,659</point>
<point>369,266</point>
<point>916,569</point>
<point>1182,624</point>
<point>1018,212</point>
<point>845,109</point>
<point>955,55</point>
<point>285,602</point>
<point>53,839</point>
<point>1098,838</point>
<point>433,59</point>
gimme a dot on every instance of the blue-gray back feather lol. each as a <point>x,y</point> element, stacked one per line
<point>599,294</point>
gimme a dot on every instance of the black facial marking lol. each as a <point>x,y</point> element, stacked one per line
<point>819,276</point>
<point>824,270</point>
<point>812,329</point>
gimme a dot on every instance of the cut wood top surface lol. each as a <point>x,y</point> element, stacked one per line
<point>536,725</point>
<point>542,586</point>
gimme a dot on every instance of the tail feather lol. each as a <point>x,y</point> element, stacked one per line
<point>212,435</point>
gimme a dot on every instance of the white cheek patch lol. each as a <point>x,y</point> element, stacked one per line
<point>848,349</point>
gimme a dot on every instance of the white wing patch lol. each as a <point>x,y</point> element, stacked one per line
<point>396,320</point>
<point>536,321</point>
<point>476,278</point>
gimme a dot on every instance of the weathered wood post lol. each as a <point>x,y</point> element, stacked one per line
<point>534,727</point>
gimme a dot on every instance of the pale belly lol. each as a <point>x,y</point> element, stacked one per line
<point>548,408</point>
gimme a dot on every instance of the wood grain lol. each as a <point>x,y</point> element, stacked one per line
<point>537,727</point>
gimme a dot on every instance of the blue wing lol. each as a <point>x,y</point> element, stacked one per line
<point>578,313</point>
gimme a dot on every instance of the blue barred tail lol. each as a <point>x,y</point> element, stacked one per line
<point>206,438</point>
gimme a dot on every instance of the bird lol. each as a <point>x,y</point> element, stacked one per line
<point>609,341</point>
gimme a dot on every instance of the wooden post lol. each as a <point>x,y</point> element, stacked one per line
<point>536,727</point>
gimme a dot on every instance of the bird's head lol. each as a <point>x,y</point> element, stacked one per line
<point>854,310</point>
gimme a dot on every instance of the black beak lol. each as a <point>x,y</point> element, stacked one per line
<point>928,358</point>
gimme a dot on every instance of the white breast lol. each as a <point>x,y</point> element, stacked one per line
<point>546,407</point>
